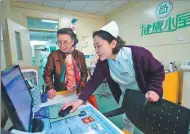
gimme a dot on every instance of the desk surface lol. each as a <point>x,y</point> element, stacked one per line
<point>61,97</point>
<point>90,122</point>
<point>94,119</point>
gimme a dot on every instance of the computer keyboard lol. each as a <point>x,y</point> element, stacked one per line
<point>42,113</point>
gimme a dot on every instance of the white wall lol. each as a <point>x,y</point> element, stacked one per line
<point>164,46</point>
<point>5,46</point>
<point>3,62</point>
<point>86,24</point>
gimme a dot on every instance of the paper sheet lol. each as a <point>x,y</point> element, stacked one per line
<point>60,99</point>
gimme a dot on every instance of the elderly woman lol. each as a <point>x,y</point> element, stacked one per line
<point>65,68</point>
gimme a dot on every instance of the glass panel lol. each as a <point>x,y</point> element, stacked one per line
<point>1,34</point>
<point>42,23</point>
<point>40,40</point>
<point>43,38</point>
<point>19,47</point>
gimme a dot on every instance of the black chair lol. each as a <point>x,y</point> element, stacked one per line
<point>162,117</point>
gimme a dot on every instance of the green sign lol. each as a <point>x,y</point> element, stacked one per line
<point>170,24</point>
<point>164,9</point>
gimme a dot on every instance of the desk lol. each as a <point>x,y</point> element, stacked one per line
<point>126,132</point>
<point>61,97</point>
<point>64,98</point>
<point>171,87</point>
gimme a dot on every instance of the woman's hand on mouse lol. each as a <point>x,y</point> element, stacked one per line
<point>75,105</point>
<point>152,96</point>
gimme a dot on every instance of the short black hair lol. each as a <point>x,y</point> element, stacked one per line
<point>109,38</point>
<point>70,32</point>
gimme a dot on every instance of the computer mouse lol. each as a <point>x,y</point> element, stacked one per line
<point>37,125</point>
<point>63,113</point>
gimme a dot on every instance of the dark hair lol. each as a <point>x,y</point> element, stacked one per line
<point>108,37</point>
<point>70,32</point>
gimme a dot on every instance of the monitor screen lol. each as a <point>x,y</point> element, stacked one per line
<point>18,93</point>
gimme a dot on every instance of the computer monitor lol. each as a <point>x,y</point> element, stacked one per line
<point>17,98</point>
